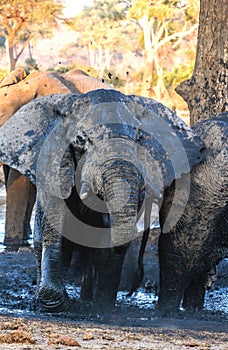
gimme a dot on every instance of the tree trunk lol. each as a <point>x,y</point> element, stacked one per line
<point>10,54</point>
<point>206,91</point>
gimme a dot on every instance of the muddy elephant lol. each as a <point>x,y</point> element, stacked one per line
<point>16,89</point>
<point>95,160</point>
<point>199,240</point>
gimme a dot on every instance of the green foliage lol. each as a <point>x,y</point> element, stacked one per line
<point>61,69</point>
<point>26,16</point>
<point>192,10</point>
<point>31,63</point>
<point>109,10</point>
<point>159,9</point>
<point>178,74</point>
<point>173,78</point>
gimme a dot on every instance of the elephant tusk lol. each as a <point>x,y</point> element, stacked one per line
<point>84,191</point>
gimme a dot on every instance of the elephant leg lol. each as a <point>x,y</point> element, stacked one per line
<point>173,275</point>
<point>108,268</point>
<point>20,199</point>
<point>67,251</point>
<point>86,293</point>
<point>51,293</point>
<point>31,198</point>
<point>195,292</point>
<point>37,241</point>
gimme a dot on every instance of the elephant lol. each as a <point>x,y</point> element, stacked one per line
<point>16,89</point>
<point>96,159</point>
<point>199,240</point>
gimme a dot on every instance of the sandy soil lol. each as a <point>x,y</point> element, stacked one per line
<point>20,333</point>
<point>127,327</point>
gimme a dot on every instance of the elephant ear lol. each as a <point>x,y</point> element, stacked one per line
<point>171,145</point>
<point>34,138</point>
<point>15,76</point>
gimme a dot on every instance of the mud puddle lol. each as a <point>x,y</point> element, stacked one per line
<point>18,285</point>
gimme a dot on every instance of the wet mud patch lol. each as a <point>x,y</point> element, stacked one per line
<point>17,281</point>
<point>133,324</point>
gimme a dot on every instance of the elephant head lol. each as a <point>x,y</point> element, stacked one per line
<point>117,147</point>
<point>18,74</point>
<point>15,93</point>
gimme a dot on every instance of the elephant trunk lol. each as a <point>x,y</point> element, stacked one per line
<point>122,189</point>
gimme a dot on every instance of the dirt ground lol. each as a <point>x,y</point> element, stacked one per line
<point>22,333</point>
<point>127,327</point>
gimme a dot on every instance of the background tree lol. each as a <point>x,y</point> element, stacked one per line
<point>163,23</point>
<point>148,45</point>
<point>102,27</point>
<point>206,92</point>
<point>22,20</point>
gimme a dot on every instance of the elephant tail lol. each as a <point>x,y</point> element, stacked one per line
<point>139,274</point>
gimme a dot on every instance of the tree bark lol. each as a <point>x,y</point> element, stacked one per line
<point>206,91</point>
<point>10,54</point>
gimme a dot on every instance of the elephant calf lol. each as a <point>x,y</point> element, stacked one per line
<point>199,240</point>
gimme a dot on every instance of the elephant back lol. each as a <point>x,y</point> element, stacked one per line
<point>79,81</point>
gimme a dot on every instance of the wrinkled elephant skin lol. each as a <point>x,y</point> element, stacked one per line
<point>199,240</point>
<point>94,159</point>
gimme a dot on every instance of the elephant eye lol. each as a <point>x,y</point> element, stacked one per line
<point>80,142</point>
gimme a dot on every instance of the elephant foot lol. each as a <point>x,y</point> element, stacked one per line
<point>195,293</point>
<point>14,243</point>
<point>52,299</point>
<point>169,304</point>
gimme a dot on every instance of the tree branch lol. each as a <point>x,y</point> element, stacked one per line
<point>25,43</point>
<point>176,35</point>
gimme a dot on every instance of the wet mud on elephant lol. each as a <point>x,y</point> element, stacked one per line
<point>199,240</point>
<point>95,159</point>
<point>16,89</point>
